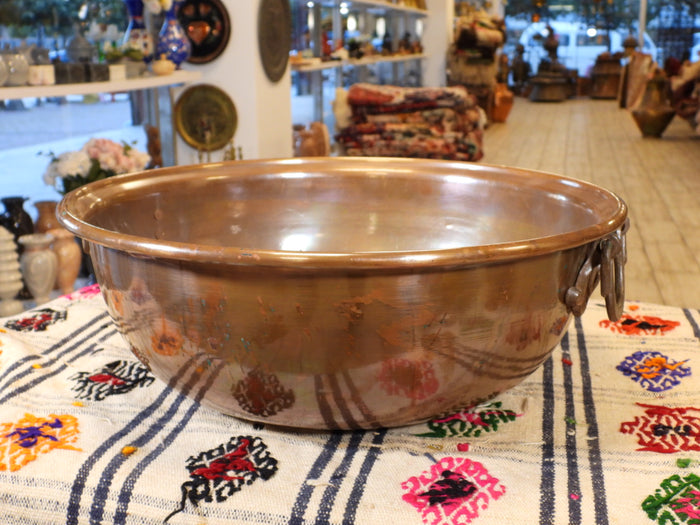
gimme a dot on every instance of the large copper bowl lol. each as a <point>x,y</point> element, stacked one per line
<point>347,293</point>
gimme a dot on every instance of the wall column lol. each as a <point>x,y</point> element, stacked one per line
<point>264,108</point>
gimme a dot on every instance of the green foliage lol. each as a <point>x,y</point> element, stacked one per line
<point>59,16</point>
<point>73,182</point>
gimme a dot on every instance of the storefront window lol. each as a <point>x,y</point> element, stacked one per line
<point>33,127</point>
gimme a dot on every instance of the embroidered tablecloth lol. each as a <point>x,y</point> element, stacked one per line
<point>606,431</point>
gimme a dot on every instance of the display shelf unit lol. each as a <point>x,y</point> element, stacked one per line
<point>384,6</point>
<point>88,88</point>
<point>399,18</point>
<point>147,96</point>
<point>356,62</point>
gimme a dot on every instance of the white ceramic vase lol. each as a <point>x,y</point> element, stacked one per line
<point>10,275</point>
<point>39,265</point>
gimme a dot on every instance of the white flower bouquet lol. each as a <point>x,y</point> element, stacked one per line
<point>97,159</point>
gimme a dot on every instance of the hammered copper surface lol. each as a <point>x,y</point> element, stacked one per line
<point>341,293</point>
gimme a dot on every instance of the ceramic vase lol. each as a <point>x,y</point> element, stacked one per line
<point>173,43</point>
<point>137,36</point>
<point>80,50</point>
<point>654,113</point>
<point>18,222</point>
<point>15,218</point>
<point>46,220</point>
<point>38,265</point>
<point>69,259</point>
<point>10,275</point>
<point>502,102</point>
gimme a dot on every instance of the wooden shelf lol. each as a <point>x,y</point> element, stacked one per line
<point>381,5</point>
<point>86,88</point>
<point>378,59</point>
<point>390,6</point>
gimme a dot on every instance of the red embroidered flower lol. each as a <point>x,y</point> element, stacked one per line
<point>640,325</point>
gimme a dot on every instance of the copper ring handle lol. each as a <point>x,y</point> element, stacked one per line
<point>605,261</point>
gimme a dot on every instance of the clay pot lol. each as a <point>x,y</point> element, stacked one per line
<point>163,66</point>
<point>654,113</point>
<point>502,103</point>
<point>47,216</point>
<point>69,258</point>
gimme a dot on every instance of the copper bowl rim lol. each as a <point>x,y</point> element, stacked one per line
<point>70,216</point>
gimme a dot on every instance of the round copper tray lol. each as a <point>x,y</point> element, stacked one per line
<point>208,27</point>
<point>205,117</point>
<point>274,37</point>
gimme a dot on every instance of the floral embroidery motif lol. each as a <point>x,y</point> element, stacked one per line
<point>676,501</point>
<point>262,394</point>
<point>470,423</point>
<point>640,325</point>
<point>653,370</point>
<point>665,430</point>
<point>23,441</point>
<point>453,491</point>
<point>86,292</point>
<point>38,322</point>
<point>118,377</point>
<point>412,379</point>
<point>220,472</point>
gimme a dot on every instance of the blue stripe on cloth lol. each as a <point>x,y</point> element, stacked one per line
<point>44,376</point>
<point>69,338</point>
<point>337,478</point>
<point>323,405</point>
<point>573,482</point>
<point>306,490</point>
<point>595,459</point>
<point>547,475</point>
<point>340,402</point>
<point>107,476</point>
<point>73,509</point>
<point>693,322</point>
<point>358,488</point>
<point>127,487</point>
<point>367,414</point>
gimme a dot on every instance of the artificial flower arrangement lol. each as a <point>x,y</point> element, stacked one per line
<point>98,159</point>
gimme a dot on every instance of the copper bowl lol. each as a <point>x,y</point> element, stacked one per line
<point>347,292</point>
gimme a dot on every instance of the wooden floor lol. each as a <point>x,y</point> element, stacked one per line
<point>596,141</point>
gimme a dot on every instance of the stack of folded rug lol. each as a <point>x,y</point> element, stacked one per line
<point>392,121</point>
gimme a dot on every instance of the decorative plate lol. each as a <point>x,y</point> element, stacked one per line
<point>274,37</point>
<point>205,117</point>
<point>208,28</point>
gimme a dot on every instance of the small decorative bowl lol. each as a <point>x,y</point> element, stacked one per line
<point>163,66</point>
<point>347,292</point>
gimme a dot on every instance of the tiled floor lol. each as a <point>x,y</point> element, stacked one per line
<point>596,141</point>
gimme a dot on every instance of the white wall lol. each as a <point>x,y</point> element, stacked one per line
<point>264,109</point>
<point>437,35</point>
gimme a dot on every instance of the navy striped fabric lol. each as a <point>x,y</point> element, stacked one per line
<point>606,431</point>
